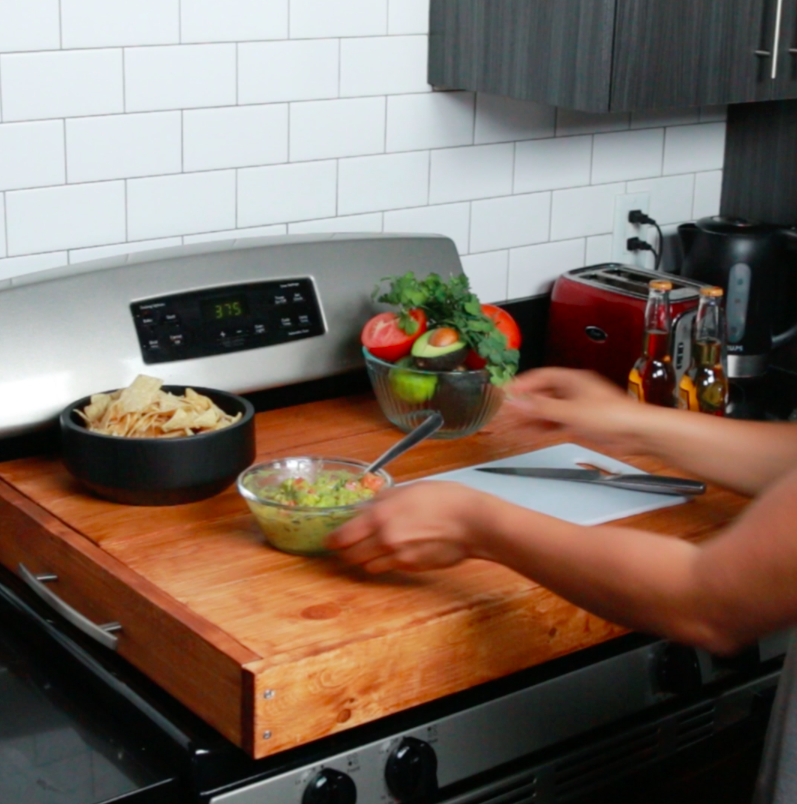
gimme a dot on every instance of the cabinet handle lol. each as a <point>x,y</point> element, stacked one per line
<point>793,51</point>
<point>763,53</point>
<point>102,633</point>
<point>776,40</point>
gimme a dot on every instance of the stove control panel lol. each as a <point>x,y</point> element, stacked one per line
<point>218,320</point>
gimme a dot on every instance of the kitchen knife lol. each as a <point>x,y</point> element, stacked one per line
<point>655,484</point>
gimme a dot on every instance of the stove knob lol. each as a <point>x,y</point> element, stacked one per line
<point>411,770</point>
<point>329,786</point>
<point>679,670</point>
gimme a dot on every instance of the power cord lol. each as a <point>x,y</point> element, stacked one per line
<point>637,216</point>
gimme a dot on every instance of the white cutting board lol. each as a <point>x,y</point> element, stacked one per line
<point>581,503</point>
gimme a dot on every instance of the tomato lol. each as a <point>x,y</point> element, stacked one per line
<point>386,340</point>
<point>506,325</point>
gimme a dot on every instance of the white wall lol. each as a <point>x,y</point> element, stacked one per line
<point>131,124</point>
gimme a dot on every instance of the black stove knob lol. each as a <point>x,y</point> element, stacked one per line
<point>411,770</point>
<point>678,670</point>
<point>330,786</point>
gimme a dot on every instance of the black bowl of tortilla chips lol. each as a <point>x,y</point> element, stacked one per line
<point>153,444</point>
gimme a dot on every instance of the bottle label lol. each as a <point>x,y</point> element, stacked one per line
<point>687,394</point>
<point>635,386</point>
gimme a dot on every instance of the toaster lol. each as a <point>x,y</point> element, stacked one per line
<point>597,319</point>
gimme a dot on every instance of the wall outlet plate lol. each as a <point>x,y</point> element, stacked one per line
<point>623,204</point>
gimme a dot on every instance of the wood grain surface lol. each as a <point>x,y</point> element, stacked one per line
<point>218,618</point>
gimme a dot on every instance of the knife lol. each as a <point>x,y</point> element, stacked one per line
<point>655,484</point>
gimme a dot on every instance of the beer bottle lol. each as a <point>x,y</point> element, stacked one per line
<point>652,379</point>
<point>704,386</point>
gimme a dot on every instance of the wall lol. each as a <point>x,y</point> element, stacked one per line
<point>132,124</point>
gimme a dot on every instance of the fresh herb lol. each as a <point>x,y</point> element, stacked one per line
<point>451,304</point>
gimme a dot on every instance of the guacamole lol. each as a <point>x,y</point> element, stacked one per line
<point>293,525</point>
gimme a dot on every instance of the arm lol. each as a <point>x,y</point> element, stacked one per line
<point>720,595</point>
<point>742,455</point>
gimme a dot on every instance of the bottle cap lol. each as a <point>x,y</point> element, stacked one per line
<point>714,292</point>
<point>661,284</point>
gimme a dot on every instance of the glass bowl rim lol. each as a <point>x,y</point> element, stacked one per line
<point>428,372</point>
<point>250,496</point>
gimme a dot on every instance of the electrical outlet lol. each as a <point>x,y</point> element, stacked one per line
<point>623,204</point>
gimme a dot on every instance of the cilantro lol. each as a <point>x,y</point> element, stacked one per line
<point>451,304</point>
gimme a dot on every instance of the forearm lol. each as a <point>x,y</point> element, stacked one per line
<point>742,455</point>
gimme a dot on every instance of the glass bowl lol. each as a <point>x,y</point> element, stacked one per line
<point>466,400</point>
<point>300,530</point>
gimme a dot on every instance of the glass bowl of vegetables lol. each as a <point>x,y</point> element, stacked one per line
<point>298,501</point>
<point>440,350</point>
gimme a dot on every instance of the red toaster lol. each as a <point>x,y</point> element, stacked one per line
<point>597,319</point>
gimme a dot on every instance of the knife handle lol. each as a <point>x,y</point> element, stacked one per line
<point>656,484</point>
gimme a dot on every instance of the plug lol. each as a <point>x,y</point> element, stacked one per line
<point>637,216</point>
<point>635,244</point>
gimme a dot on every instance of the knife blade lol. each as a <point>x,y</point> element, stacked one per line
<point>654,484</point>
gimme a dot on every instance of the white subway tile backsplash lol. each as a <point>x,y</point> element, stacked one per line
<point>237,136</point>
<point>233,20</point>
<point>332,18</point>
<point>238,234</point>
<point>123,146</point>
<point>383,65</point>
<point>335,128</point>
<point>570,122</point>
<point>462,174</point>
<point>286,193</point>
<point>584,211</point>
<point>288,71</point>
<point>179,77</point>
<point>31,155</point>
<point>98,23</point>
<point>451,220</point>
<point>506,120</point>
<point>627,155</point>
<point>408,17</point>
<point>36,86</point>
<point>29,25</point>
<point>552,164</point>
<point>670,197</point>
<point>429,120</point>
<point>370,222</point>
<point>176,205</point>
<point>488,275</point>
<point>599,249</point>
<point>374,183</point>
<point>16,267</point>
<point>694,148</point>
<point>534,269</point>
<point>58,218</point>
<point>505,222</point>
<point>708,187</point>
<point>2,226</point>
<point>87,254</point>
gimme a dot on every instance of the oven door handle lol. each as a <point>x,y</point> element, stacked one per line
<point>104,634</point>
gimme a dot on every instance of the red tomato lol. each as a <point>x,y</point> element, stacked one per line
<point>506,324</point>
<point>386,340</point>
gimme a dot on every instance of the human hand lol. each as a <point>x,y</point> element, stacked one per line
<point>581,403</point>
<point>421,526</point>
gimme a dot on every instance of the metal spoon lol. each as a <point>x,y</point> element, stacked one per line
<point>423,430</point>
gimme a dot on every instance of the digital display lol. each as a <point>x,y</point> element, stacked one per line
<point>224,309</point>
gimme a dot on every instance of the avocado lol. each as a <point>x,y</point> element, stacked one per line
<point>439,349</point>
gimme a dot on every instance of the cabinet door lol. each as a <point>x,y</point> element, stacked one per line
<point>550,51</point>
<point>785,83</point>
<point>681,53</point>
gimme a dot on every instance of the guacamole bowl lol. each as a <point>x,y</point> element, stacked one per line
<point>466,400</point>
<point>297,501</point>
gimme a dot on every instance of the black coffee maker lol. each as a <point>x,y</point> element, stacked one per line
<point>756,266</point>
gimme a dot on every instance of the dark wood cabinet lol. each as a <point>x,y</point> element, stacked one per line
<point>617,55</point>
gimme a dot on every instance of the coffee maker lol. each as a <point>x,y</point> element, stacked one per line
<point>756,266</point>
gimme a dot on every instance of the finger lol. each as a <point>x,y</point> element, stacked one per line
<point>351,532</point>
<point>364,551</point>
<point>380,564</point>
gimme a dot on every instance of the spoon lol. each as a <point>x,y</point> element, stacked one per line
<point>423,430</point>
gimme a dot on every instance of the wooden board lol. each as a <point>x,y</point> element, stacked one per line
<point>276,650</point>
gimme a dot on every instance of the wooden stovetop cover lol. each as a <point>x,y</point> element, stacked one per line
<point>276,650</point>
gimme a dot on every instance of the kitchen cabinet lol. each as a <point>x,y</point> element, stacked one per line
<point>275,650</point>
<point>617,55</point>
